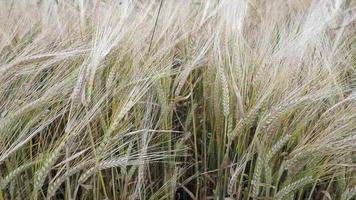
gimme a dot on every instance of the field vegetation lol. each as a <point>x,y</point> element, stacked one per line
<point>178,99</point>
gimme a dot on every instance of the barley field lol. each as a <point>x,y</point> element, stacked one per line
<point>178,99</point>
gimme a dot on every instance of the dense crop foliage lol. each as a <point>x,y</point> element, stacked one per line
<point>177,99</point>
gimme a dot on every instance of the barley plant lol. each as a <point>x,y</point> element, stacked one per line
<point>178,99</point>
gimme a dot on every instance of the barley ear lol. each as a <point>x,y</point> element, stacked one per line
<point>42,173</point>
<point>292,187</point>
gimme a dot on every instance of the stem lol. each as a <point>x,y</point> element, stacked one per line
<point>195,136</point>
<point>155,26</point>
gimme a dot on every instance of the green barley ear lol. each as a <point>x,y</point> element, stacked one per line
<point>174,180</point>
<point>235,173</point>
<point>225,91</point>
<point>277,147</point>
<point>349,194</point>
<point>280,110</point>
<point>56,183</point>
<point>8,178</point>
<point>42,173</point>
<point>87,174</point>
<point>292,187</point>
<point>257,176</point>
<point>111,77</point>
<point>259,75</point>
<point>271,153</point>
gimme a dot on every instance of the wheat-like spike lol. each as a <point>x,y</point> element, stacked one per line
<point>116,162</point>
<point>75,96</point>
<point>110,130</point>
<point>349,194</point>
<point>291,196</point>
<point>257,176</point>
<point>276,147</point>
<point>181,141</point>
<point>160,53</point>
<point>87,174</point>
<point>50,93</point>
<point>90,82</point>
<point>104,142</point>
<point>111,78</point>
<point>41,174</point>
<point>248,119</point>
<point>268,175</point>
<point>161,94</point>
<point>54,185</point>
<point>300,155</point>
<point>190,66</point>
<point>144,145</point>
<point>193,44</point>
<point>272,152</point>
<point>8,178</point>
<point>184,76</point>
<point>258,77</point>
<point>280,110</point>
<point>291,162</point>
<point>225,89</point>
<point>236,173</point>
<point>174,181</point>
<point>245,122</point>
<point>229,129</point>
<point>21,138</point>
<point>292,187</point>
<point>107,137</point>
<point>351,98</point>
<point>27,60</point>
